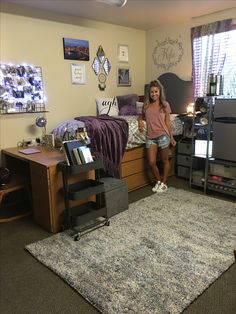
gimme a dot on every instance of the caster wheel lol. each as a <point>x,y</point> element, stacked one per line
<point>63,228</point>
<point>77,237</point>
<point>107,223</point>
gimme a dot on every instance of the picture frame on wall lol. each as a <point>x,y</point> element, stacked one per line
<point>123,76</point>
<point>78,74</point>
<point>76,49</point>
<point>123,53</point>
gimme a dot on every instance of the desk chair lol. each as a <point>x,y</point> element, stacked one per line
<point>16,184</point>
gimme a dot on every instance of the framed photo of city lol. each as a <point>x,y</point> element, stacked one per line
<point>76,49</point>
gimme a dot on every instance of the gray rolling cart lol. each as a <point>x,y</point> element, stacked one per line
<point>89,215</point>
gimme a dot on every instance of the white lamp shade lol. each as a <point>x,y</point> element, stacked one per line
<point>115,3</point>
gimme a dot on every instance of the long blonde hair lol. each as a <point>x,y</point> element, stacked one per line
<point>162,97</point>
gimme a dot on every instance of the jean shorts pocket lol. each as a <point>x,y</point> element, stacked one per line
<point>164,141</point>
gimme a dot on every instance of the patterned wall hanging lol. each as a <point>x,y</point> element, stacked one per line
<point>101,67</point>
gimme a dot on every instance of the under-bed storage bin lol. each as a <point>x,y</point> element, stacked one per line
<point>115,195</point>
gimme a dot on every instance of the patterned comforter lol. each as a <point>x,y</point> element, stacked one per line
<point>110,136</point>
<point>137,138</point>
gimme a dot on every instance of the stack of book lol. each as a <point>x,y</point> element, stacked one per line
<point>76,153</point>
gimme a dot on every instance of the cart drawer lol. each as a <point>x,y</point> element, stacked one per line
<point>183,172</point>
<point>185,148</point>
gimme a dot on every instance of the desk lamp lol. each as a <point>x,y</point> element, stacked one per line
<point>41,122</point>
<point>115,3</point>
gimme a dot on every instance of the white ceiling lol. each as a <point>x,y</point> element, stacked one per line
<point>140,14</point>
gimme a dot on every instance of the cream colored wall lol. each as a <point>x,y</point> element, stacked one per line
<point>36,38</point>
<point>181,33</point>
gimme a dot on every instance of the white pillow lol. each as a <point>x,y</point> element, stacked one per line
<point>139,107</point>
<point>107,106</point>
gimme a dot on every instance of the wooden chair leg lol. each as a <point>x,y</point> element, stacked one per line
<point>1,197</point>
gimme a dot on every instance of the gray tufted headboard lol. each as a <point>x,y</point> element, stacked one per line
<point>179,93</point>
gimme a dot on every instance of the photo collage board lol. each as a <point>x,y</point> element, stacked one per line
<point>21,89</point>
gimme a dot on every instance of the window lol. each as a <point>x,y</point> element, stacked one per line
<point>229,69</point>
<point>214,54</point>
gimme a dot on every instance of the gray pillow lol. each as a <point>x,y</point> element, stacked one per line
<point>127,104</point>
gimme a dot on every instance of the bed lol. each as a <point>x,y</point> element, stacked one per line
<point>114,133</point>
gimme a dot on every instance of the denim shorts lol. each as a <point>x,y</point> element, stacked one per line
<point>162,141</point>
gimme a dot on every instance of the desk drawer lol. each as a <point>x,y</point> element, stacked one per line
<point>137,180</point>
<point>133,166</point>
<point>134,153</point>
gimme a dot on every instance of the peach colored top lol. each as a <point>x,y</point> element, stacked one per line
<point>155,119</point>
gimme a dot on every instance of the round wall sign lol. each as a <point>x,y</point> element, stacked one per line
<point>167,53</point>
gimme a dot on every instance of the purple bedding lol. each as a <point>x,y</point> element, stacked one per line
<point>109,136</point>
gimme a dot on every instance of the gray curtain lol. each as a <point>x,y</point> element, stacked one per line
<point>208,53</point>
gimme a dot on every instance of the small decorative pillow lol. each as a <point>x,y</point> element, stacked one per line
<point>142,98</point>
<point>139,107</point>
<point>127,105</point>
<point>107,106</point>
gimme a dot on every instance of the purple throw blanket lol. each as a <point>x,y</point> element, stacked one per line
<point>109,136</point>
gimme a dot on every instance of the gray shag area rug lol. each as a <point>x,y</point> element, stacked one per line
<point>156,257</point>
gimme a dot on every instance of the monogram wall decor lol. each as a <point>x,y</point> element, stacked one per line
<point>167,53</point>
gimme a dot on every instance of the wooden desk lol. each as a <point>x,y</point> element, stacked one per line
<point>41,169</point>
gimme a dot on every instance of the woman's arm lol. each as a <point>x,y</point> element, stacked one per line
<point>168,124</point>
<point>141,123</point>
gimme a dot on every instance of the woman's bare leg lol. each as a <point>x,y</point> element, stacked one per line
<point>152,161</point>
<point>164,154</point>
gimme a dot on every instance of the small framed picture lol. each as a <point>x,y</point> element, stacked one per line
<point>76,49</point>
<point>123,53</point>
<point>123,76</point>
<point>78,75</point>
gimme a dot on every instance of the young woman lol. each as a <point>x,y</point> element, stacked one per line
<point>156,112</point>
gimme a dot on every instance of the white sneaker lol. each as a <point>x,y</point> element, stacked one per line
<point>156,187</point>
<point>162,188</point>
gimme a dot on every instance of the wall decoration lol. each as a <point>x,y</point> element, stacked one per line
<point>101,66</point>
<point>102,80</point>
<point>101,55</point>
<point>78,75</point>
<point>76,49</point>
<point>167,53</point>
<point>123,76</point>
<point>21,89</point>
<point>123,53</point>
<point>96,65</point>
<point>106,66</point>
